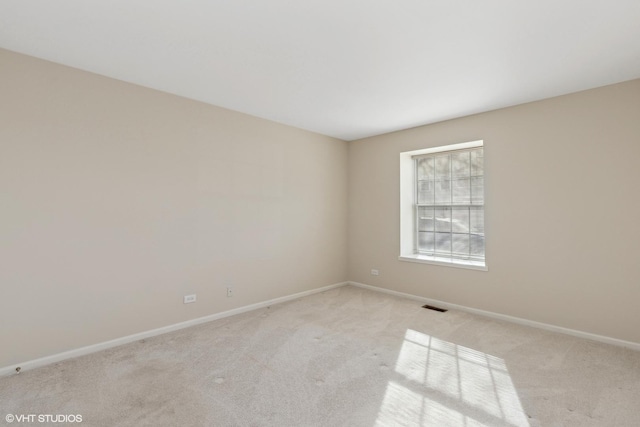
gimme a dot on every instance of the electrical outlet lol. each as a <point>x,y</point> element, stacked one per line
<point>375,272</point>
<point>229,291</point>
<point>188,299</point>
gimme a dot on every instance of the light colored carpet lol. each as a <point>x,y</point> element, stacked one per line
<point>345,357</point>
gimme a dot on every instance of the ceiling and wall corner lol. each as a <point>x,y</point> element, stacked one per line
<point>348,69</point>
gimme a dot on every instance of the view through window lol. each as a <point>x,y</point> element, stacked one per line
<point>449,204</point>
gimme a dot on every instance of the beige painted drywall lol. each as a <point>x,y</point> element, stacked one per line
<point>563,212</point>
<point>116,200</point>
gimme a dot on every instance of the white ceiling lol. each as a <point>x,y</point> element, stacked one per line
<point>349,68</point>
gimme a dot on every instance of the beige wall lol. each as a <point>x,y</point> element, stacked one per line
<point>563,212</point>
<point>117,200</point>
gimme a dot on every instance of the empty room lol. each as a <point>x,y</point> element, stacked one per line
<point>357,213</point>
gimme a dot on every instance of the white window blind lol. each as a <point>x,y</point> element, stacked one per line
<point>449,204</point>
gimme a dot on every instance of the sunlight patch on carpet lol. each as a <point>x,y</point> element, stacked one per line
<point>441,383</point>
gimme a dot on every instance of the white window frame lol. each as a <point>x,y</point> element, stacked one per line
<point>408,219</point>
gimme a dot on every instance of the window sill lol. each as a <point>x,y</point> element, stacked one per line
<point>446,262</point>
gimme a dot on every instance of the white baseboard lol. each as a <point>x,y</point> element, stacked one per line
<point>47,360</point>
<point>580,334</point>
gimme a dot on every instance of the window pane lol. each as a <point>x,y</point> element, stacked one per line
<point>425,219</point>
<point>460,164</point>
<point>426,168</point>
<point>461,191</point>
<point>476,220</point>
<point>443,191</point>
<point>477,162</point>
<point>443,166</point>
<point>425,192</point>
<point>451,185</point>
<point>443,219</point>
<point>476,244</point>
<point>443,243</point>
<point>460,244</point>
<point>426,241</point>
<point>477,190</point>
<point>460,219</point>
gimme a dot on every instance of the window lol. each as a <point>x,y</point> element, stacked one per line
<point>445,203</point>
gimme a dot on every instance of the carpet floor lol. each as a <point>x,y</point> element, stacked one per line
<point>344,357</point>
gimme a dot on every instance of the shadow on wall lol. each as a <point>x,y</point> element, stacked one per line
<point>440,383</point>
